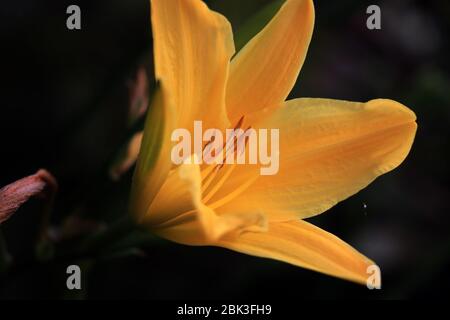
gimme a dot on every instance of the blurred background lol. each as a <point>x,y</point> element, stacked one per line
<point>65,106</point>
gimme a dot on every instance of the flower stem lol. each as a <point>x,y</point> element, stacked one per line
<point>106,238</point>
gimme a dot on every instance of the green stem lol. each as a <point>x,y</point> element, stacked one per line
<point>107,238</point>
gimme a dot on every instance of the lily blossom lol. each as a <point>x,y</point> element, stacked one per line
<point>329,149</point>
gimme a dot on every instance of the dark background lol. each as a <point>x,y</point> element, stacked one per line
<point>63,106</point>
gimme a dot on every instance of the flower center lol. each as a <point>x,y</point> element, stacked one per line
<point>215,176</point>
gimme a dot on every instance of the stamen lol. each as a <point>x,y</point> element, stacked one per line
<point>230,196</point>
<point>211,179</point>
<point>239,124</point>
<point>218,184</point>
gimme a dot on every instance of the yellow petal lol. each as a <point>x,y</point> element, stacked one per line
<point>153,164</point>
<point>178,213</point>
<point>263,73</point>
<point>302,244</point>
<point>192,47</point>
<point>329,150</point>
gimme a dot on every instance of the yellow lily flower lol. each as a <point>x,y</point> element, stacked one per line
<point>329,149</point>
